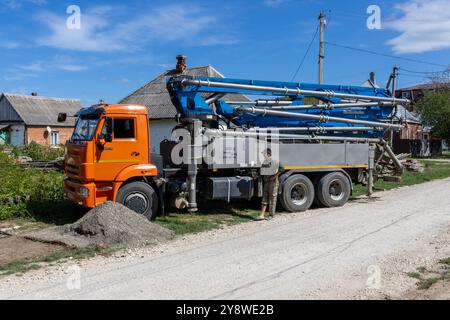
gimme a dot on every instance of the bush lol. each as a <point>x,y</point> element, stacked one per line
<point>434,108</point>
<point>25,192</point>
<point>38,152</point>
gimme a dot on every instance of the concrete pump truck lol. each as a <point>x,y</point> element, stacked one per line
<point>328,137</point>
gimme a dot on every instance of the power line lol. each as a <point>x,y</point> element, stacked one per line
<point>424,72</point>
<point>306,54</point>
<point>412,75</point>
<point>384,54</point>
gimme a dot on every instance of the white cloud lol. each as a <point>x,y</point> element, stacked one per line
<point>217,40</point>
<point>71,67</point>
<point>18,76</point>
<point>9,45</point>
<point>171,23</point>
<point>187,25</point>
<point>273,3</point>
<point>33,67</point>
<point>424,26</point>
<point>57,63</point>
<point>124,81</point>
<point>17,4</point>
<point>92,36</point>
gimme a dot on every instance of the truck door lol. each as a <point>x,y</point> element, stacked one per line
<point>121,150</point>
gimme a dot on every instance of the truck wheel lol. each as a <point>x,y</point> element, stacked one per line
<point>139,197</point>
<point>298,193</point>
<point>333,189</point>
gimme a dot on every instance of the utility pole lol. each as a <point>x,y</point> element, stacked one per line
<point>321,48</point>
<point>394,85</point>
<point>394,80</point>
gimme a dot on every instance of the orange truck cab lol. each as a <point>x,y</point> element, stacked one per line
<point>108,159</point>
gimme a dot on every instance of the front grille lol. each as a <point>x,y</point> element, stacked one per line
<point>72,169</point>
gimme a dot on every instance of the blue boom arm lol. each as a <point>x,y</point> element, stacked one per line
<point>203,97</point>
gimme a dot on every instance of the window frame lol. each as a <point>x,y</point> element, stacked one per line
<point>54,135</point>
<point>133,119</point>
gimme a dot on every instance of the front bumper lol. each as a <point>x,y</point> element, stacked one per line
<point>72,191</point>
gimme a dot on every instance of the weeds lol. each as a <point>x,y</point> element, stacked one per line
<point>38,152</point>
<point>22,266</point>
<point>423,275</point>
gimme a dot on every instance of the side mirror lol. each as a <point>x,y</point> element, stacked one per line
<point>108,136</point>
<point>62,117</point>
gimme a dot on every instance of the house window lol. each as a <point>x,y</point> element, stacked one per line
<point>124,129</point>
<point>406,95</point>
<point>54,138</point>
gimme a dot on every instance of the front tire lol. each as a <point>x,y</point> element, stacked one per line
<point>298,193</point>
<point>139,197</point>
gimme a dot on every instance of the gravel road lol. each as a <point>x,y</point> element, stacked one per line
<point>359,251</point>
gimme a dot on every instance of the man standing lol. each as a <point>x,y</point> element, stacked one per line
<point>270,170</point>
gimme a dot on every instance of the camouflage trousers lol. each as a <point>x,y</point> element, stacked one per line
<point>270,193</point>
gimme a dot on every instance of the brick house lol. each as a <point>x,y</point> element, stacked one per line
<point>416,92</point>
<point>33,118</point>
<point>416,138</point>
<point>410,139</point>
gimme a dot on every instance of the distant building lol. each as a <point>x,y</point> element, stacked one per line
<point>33,118</point>
<point>430,144</point>
<point>416,92</point>
<point>161,111</point>
<point>409,138</point>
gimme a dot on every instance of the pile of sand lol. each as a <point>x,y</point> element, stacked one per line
<point>107,224</point>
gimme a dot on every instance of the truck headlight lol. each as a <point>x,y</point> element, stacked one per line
<point>83,192</point>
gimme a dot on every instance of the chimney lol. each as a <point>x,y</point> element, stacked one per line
<point>181,63</point>
<point>34,94</point>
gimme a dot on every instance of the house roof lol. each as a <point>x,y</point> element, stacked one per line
<point>42,111</point>
<point>404,115</point>
<point>424,86</point>
<point>155,96</point>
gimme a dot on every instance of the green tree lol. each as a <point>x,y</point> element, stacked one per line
<point>435,110</point>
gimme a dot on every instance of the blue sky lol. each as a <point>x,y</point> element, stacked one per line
<point>123,44</point>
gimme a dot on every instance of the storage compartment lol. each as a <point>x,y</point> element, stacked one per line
<point>166,147</point>
<point>226,188</point>
<point>157,160</point>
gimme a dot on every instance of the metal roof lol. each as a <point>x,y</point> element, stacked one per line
<point>426,86</point>
<point>405,115</point>
<point>154,94</point>
<point>42,111</point>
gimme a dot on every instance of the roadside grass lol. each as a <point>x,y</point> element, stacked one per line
<point>433,170</point>
<point>426,284</point>
<point>222,214</point>
<point>428,278</point>
<point>21,266</point>
<point>413,274</point>
<point>445,155</point>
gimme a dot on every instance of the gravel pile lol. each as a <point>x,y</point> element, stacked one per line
<point>107,224</point>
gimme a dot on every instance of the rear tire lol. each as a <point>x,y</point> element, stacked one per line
<point>139,197</point>
<point>333,189</point>
<point>298,193</point>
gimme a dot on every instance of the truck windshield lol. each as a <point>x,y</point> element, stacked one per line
<point>84,129</point>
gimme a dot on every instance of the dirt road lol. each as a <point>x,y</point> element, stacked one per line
<point>362,250</point>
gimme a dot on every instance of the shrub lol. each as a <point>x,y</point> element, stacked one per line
<point>38,152</point>
<point>25,192</point>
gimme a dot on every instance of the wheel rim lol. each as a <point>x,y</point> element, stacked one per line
<point>299,194</point>
<point>336,190</point>
<point>137,202</point>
